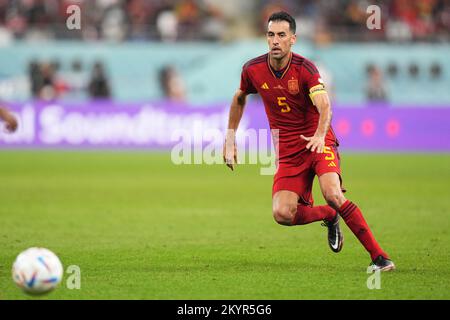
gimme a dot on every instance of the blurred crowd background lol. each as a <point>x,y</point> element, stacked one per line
<point>216,20</point>
<point>169,49</point>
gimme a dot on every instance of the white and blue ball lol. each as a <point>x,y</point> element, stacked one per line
<point>37,271</point>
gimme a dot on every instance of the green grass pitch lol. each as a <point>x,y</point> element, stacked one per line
<point>140,227</point>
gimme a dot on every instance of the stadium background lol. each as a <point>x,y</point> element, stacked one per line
<point>140,226</point>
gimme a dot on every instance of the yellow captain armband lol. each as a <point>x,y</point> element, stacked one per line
<point>320,88</point>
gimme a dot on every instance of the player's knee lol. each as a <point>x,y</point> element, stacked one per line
<point>334,198</point>
<point>284,215</point>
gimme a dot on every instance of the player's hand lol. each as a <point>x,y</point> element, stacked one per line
<point>315,143</point>
<point>10,122</point>
<point>230,154</point>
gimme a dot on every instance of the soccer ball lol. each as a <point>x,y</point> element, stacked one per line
<point>37,271</point>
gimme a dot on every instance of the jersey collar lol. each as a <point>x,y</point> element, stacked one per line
<point>285,69</point>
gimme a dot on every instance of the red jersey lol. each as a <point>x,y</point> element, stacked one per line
<point>287,102</point>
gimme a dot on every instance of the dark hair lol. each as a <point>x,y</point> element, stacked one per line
<point>284,16</point>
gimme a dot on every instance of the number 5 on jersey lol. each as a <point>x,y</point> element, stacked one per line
<point>283,104</point>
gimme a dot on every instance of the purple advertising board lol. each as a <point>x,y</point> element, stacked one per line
<point>159,126</point>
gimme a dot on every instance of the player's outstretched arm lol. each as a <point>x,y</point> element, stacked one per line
<point>317,142</point>
<point>9,119</point>
<point>236,112</point>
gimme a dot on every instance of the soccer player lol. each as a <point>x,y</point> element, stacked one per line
<point>9,119</point>
<point>297,105</point>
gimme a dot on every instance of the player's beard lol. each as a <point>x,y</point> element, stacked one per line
<point>278,58</point>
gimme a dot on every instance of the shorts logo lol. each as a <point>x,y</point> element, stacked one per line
<point>332,164</point>
<point>293,87</point>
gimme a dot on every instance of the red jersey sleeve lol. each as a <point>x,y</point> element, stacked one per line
<point>246,82</point>
<point>312,81</point>
<point>311,75</point>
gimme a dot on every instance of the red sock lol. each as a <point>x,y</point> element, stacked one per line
<point>306,214</point>
<point>355,221</point>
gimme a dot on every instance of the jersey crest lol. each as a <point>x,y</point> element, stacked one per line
<point>293,87</point>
